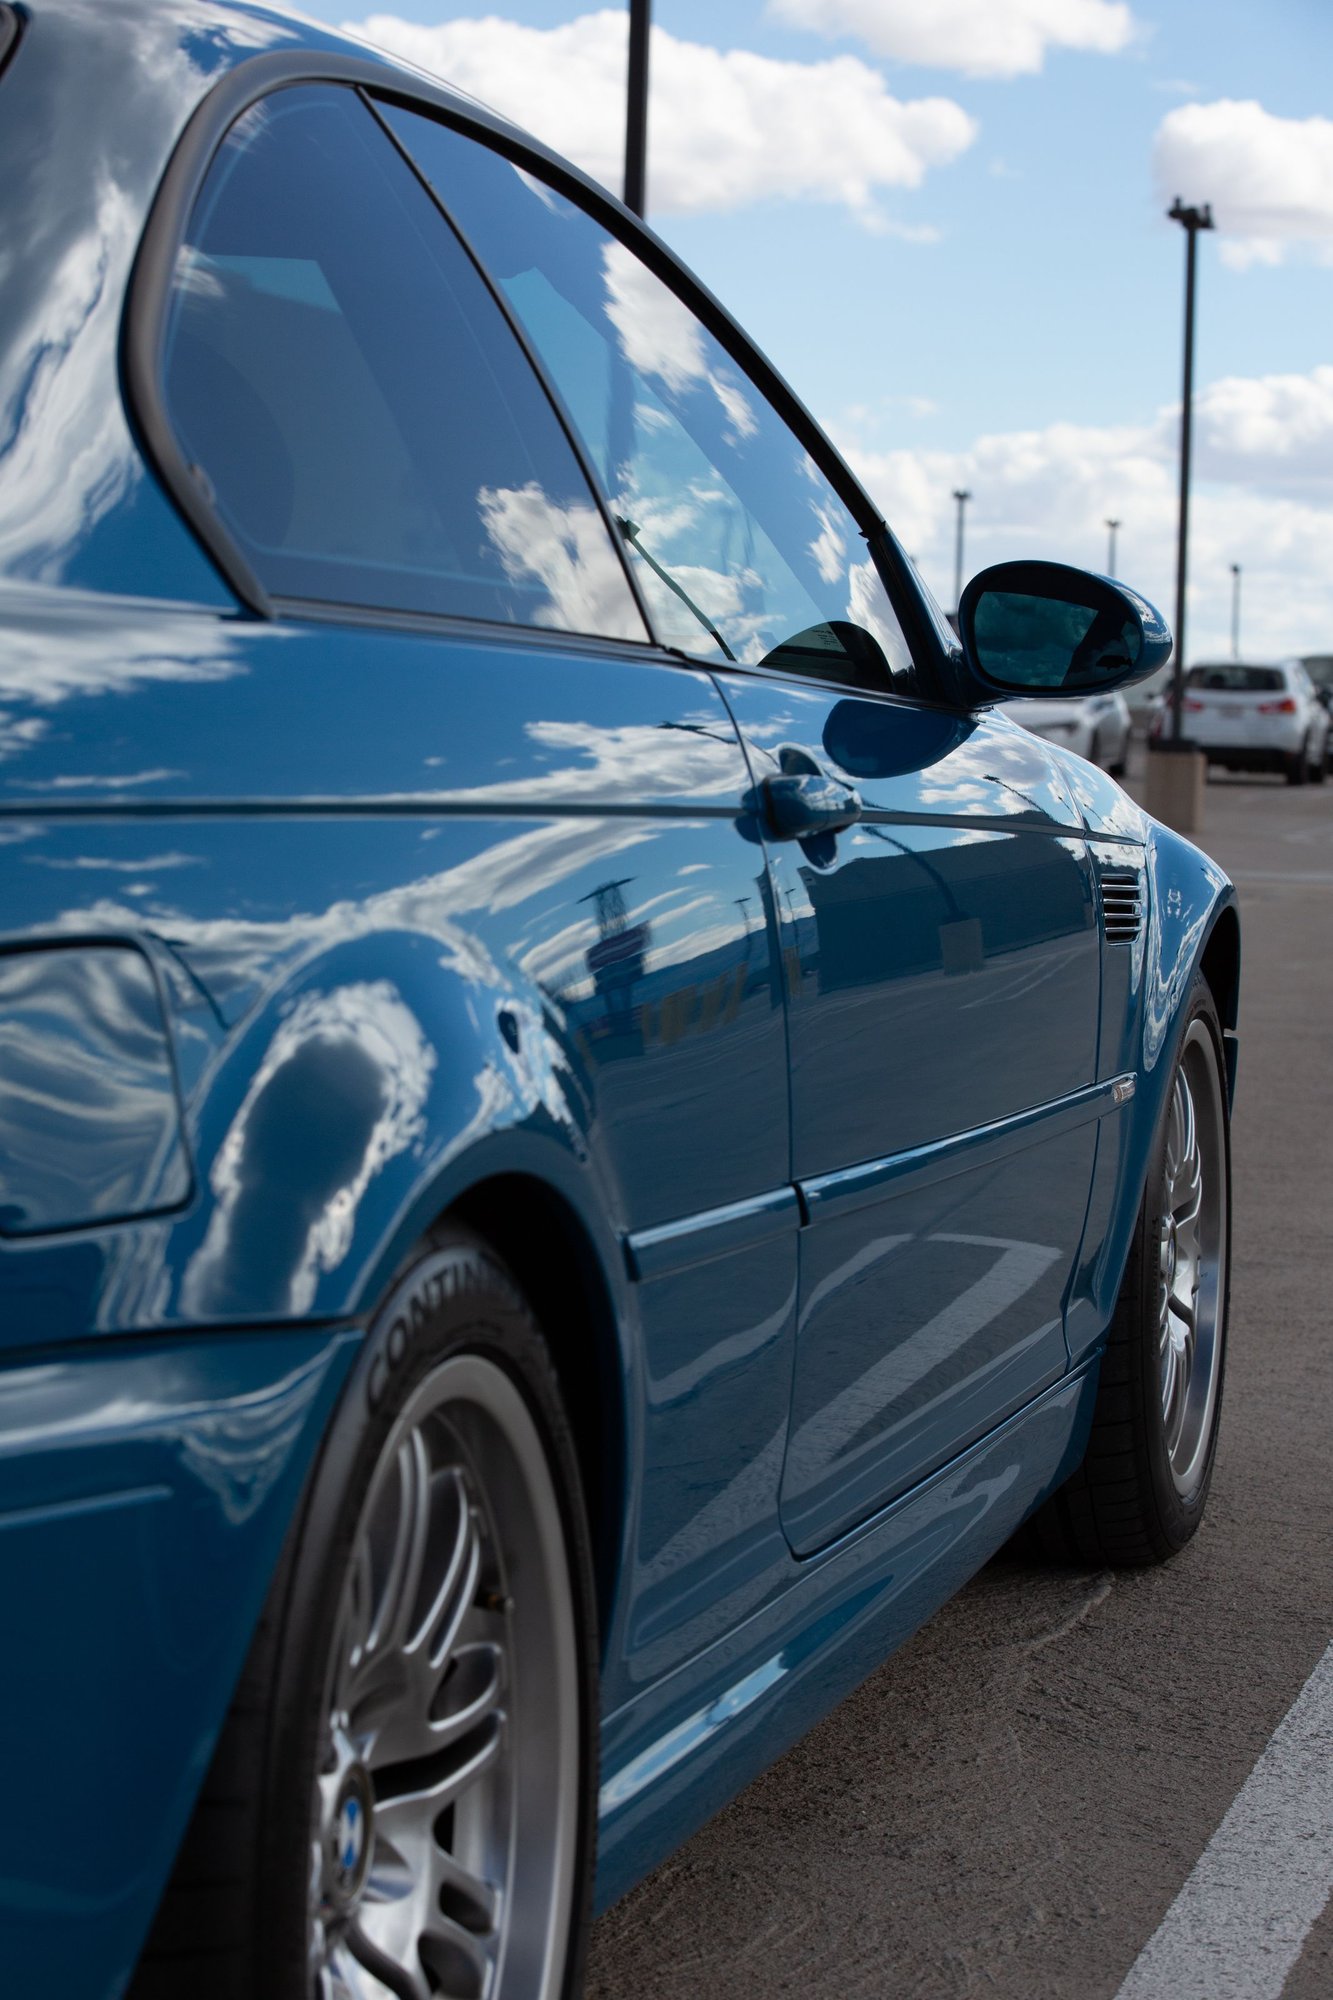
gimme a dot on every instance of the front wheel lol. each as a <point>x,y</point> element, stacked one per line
<point>402,1802</point>
<point>1140,1493</point>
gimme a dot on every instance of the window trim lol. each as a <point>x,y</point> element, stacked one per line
<point>147,299</point>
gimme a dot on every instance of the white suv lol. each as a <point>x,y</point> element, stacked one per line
<point>1252,718</point>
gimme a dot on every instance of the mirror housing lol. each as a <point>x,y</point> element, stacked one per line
<point>1043,628</point>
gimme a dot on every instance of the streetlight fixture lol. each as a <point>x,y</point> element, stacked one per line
<point>1110,546</point>
<point>962,496</point>
<point>636,108</point>
<point>1175,784</point>
<point>1235,611</point>
<point>1191,220</point>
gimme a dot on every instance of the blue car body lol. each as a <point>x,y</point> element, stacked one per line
<point>316,926</point>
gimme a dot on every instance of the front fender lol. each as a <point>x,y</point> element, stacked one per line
<point>358,1099</point>
<point>1191,927</point>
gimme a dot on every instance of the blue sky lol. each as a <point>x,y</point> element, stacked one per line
<point>1012,321</point>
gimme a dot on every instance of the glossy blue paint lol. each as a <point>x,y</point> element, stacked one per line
<point>90,1125</point>
<point>792,998</point>
<point>942,966</point>
<point>145,1490</point>
<point>678,1753</point>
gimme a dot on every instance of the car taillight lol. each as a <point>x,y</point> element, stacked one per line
<point>1284,707</point>
<point>1193,707</point>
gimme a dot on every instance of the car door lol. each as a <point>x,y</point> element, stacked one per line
<point>942,992</point>
<point>940,953</point>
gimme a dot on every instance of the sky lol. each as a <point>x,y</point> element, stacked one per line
<point>944,221</point>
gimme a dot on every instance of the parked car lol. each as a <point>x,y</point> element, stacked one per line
<point>586,1129</point>
<point>1256,718</point>
<point>1094,726</point>
<point>1319,666</point>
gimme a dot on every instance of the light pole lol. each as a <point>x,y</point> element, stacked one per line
<point>962,496</point>
<point>1110,546</point>
<point>636,109</point>
<point>1191,220</point>
<point>1235,611</point>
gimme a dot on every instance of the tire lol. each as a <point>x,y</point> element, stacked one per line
<point>1140,1492</point>
<point>1319,768</point>
<point>1296,766</point>
<point>407,1773</point>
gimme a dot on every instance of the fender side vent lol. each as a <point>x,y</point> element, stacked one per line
<point>1122,905</point>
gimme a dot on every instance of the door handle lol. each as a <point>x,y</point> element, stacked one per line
<point>807,803</point>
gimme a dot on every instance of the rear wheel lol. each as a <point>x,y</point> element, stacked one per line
<point>401,1805</point>
<point>1139,1494</point>
<point>1297,765</point>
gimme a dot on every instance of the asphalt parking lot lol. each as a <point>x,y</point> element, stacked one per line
<point>1012,1804</point>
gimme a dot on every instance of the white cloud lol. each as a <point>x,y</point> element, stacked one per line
<point>978,37</point>
<point>1273,429</point>
<point>1269,179</point>
<point>725,127</point>
<point>1263,497</point>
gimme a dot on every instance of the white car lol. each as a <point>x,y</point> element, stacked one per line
<point>1257,718</point>
<point>1096,726</point>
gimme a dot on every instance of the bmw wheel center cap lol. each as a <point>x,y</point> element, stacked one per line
<point>350,1836</point>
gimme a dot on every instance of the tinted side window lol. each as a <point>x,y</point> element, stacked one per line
<point>371,431</point>
<point>743,549</point>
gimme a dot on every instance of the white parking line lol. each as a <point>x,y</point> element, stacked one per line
<point>1237,1927</point>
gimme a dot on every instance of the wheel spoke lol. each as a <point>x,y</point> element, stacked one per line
<point>402,1587</point>
<point>461,1962</point>
<point>1183,1308</point>
<point>416,1792</point>
<point>404,1982</point>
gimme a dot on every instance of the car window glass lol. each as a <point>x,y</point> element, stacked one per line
<point>742,548</point>
<point>1235,680</point>
<point>343,380</point>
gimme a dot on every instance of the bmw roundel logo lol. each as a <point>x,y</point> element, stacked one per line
<point>351,1834</point>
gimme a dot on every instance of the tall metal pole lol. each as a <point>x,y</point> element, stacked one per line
<point>1235,611</point>
<point>1192,220</point>
<point>636,110</point>
<point>962,497</point>
<point>1110,547</point>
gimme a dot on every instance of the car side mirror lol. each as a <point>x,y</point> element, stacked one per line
<point>1042,628</point>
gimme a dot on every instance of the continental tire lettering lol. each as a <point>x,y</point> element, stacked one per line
<point>390,1357</point>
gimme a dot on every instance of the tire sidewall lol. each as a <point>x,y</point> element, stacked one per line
<point>454,1299</point>
<point>1178,1515</point>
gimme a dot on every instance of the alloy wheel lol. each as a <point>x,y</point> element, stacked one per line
<point>445,1817</point>
<point>1192,1259</point>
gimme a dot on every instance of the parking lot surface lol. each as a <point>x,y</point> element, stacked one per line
<point>1012,1804</point>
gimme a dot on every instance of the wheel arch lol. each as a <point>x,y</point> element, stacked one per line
<point>542,1240</point>
<point>1219,963</point>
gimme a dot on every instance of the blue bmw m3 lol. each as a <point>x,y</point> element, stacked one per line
<point>585,1129</point>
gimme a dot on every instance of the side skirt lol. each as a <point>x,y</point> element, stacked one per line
<point>680,1751</point>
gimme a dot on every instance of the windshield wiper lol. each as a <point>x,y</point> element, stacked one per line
<point>631,534</point>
